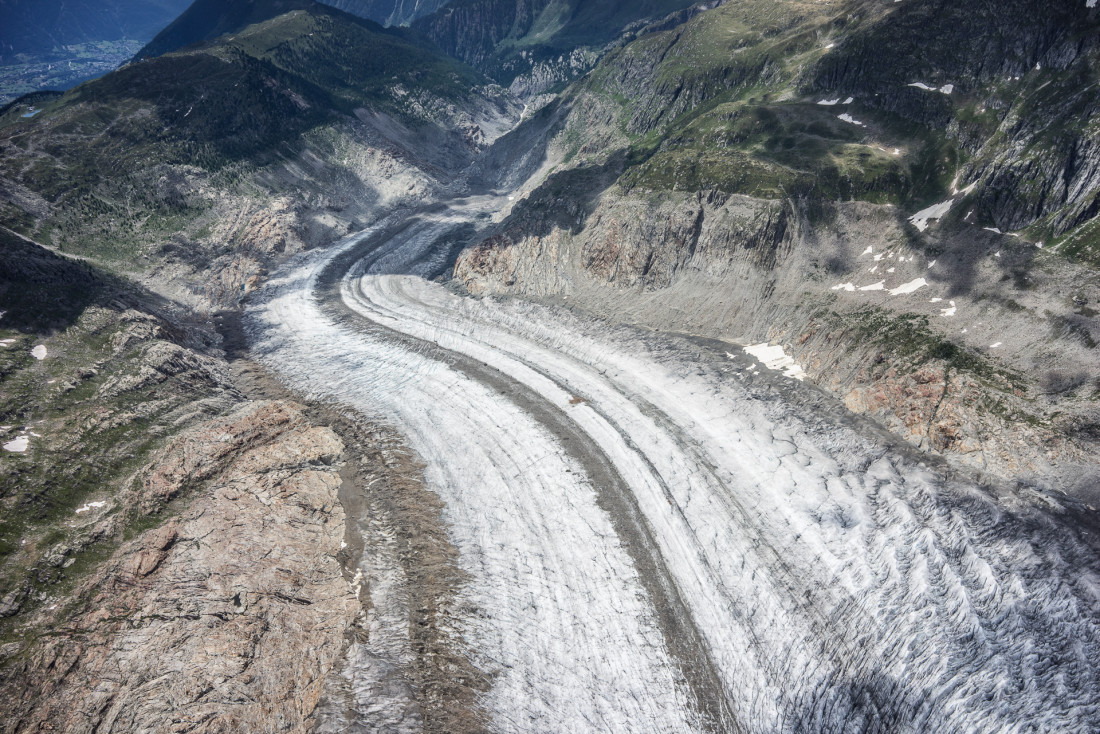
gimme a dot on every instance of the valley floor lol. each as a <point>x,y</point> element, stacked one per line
<point>650,535</point>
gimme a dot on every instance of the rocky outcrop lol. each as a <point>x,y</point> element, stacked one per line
<point>228,617</point>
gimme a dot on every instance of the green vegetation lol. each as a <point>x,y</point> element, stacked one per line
<point>907,339</point>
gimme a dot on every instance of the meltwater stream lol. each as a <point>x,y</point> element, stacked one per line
<point>654,545</point>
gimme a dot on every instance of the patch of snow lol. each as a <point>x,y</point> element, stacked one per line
<point>844,287</point>
<point>949,311</point>
<point>872,270</point>
<point>18,445</point>
<point>831,45</point>
<point>994,346</point>
<point>1039,245</point>
<point>869,251</point>
<point>774,358</point>
<point>1090,3</point>
<point>909,287</point>
<point>931,264</point>
<point>994,230</point>
<point>39,352</point>
<point>997,253</point>
<point>848,118</point>
<point>849,100</point>
<point>90,506</point>
<point>890,270</point>
<point>879,256</point>
<point>947,88</point>
<point>879,286</point>
<point>897,151</point>
<point>922,85</point>
<point>921,219</point>
<point>829,102</point>
<point>935,300</point>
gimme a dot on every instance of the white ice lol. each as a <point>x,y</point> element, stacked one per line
<point>909,287</point>
<point>934,212</point>
<point>848,118</point>
<point>949,311</point>
<point>90,506</point>
<point>881,285</point>
<point>774,358</point>
<point>829,102</point>
<point>39,352</point>
<point>18,445</point>
<point>844,287</point>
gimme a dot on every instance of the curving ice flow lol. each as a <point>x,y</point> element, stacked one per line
<point>815,581</point>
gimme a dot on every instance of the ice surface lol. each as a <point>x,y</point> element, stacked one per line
<point>835,586</point>
<point>909,287</point>
<point>774,358</point>
<point>936,211</point>
<point>18,445</point>
<point>90,506</point>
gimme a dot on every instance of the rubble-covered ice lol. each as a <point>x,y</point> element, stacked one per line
<point>774,358</point>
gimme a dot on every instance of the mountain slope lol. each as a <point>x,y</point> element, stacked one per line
<point>921,238</point>
<point>167,143</point>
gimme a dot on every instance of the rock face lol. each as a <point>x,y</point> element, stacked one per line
<point>226,618</point>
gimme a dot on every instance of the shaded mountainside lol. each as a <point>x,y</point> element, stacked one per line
<point>553,42</point>
<point>249,147</point>
<point>205,20</point>
<point>751,174</point>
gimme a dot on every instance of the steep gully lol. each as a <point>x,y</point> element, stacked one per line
<point>653,539</point>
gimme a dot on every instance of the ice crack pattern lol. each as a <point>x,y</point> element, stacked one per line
<point>831,585</point>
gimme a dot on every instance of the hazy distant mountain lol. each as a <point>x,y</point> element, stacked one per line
<point>42,26</point>
<point>208,19</point>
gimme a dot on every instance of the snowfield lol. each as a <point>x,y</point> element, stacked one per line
<point>653,546</point>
